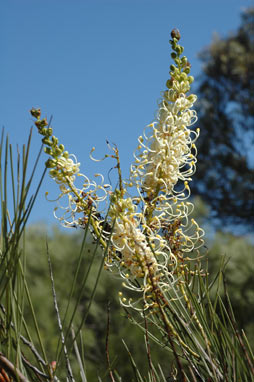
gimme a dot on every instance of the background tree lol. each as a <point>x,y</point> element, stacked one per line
<point>225,171</point>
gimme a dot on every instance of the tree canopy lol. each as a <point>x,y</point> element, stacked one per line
<point>225,172</point>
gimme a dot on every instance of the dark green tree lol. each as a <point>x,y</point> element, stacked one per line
<point>225,173</point>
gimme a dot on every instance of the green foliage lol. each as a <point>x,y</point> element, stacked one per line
<point>237,252</point>
<point>239,273</point>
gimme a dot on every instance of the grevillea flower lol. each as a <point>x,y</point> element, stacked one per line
<point>148,237</point>
<point>64,168</point>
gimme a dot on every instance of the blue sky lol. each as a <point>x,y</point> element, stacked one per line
<point>97,66</point>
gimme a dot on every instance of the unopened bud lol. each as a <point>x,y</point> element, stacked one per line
<point>178,49</point>
<point>53,365</point>
<point>169,83</point>
<point>47,141</point>
<point>183,76</point>
<point>36,113</point>
<point>43,131</point>
<point>184,61</point>
<point>54,140</point>
<point>41,123</point>
<point>175,34</point>
<point>50,163</point>
<point>48,150</point>
<point>192,98</point>
<point>58,151</point>
<point>186,70</point>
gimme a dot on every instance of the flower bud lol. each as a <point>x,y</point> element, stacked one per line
<point>184,61</point>
<point>178,61</point>
<point>54,140</point>
<point>53,173</point>
<point>190,79</point>
<point>178,49</point>
<point>41,123</point>
<point>48,150</point>
<point>50,131</point>
<point>192,98</point>
<point>53,365</point>
<point>186,70</point>
<point>50,163</point>
<point>47,141</point>
<point>43,131</point>
<point>183,76</point>
<point>57,151</point>
<point>36,113</point>
<point>175,34</point>
<point>169,83</point>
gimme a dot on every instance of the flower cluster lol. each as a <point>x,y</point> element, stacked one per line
<point>150,234</point>
<point>64,168</point>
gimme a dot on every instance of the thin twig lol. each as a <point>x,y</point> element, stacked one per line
<point>107,345</point>
<point>34,368</point>
<point>59,319</point>
<point>148,349</point>
<point>9,367</point>
<point>26,342</point>
<point>82,371</point>
<point>234,324</point>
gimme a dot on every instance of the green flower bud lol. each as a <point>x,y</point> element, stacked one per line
<point>169,83</point>
<point>66,155</point>
<point>186,70</point>
<point>41,123</point>
<point>57,151</point>
<point>172,68</point>
<point>184,61</point>
<point>54,140</point>
<point>190,79</point>
<point>47,141</point>
<point>178,61</point>
<point>178,49</point>
<point>192,98</point>
<point>53,172</point>
<point>175,34</point>
<point>50,163</point>
<point>183,77</point>
<point>43,131</point>
<point>50,131</point>
<point>48,150</point>
<point>61,147</point>
<point>173,44</point>
<point>173,55</point>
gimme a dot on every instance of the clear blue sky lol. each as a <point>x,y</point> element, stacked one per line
<point>97,66</point>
